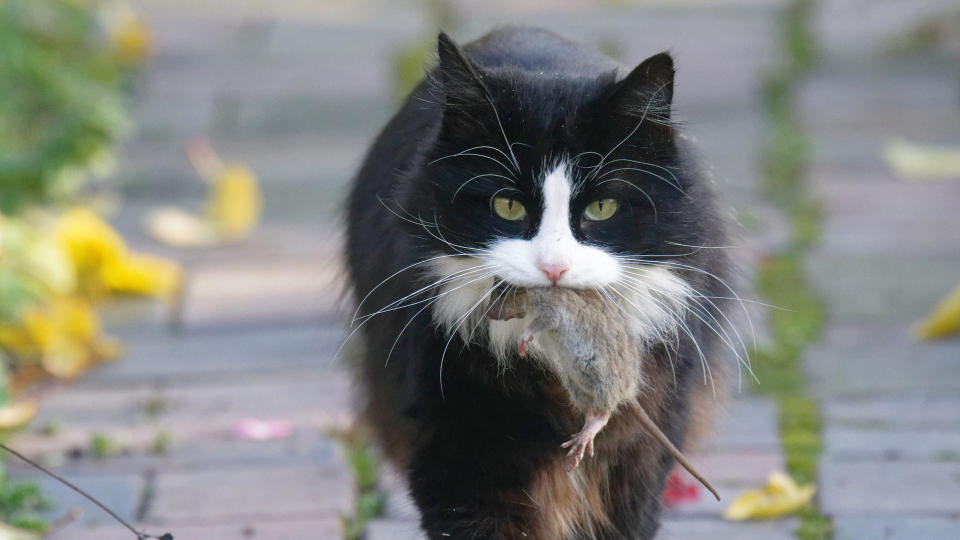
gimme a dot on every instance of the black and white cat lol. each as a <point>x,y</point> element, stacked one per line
<point>525,160</point>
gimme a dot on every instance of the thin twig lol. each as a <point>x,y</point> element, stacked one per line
<point>140,535</point>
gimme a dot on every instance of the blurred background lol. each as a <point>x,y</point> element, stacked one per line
<point>171,178</point>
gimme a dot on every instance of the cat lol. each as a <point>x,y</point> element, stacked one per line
<point>527,160</point>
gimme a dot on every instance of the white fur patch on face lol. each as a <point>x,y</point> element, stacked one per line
<point>653,298</point>
<point>519,261</point>
<point>463,295</point>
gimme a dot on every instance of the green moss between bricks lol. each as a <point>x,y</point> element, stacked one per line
<point>781,279</point>
<point>366,473</point>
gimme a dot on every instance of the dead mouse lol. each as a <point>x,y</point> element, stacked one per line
<point>597,359</point>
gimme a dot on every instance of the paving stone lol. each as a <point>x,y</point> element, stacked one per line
<point>377,37</point>
<point>891,369</point>
<point>187,416</point>
<point>883,288</point>
<point>884,488</point>
<point>896,528</point>
<point>243,79</point>
<point>904,100</point>
<point>118,491</point>
<point>324,528</point>
<point>914,412</point>
<point>845,27</point>
<point>157,120</point>
<point>309,113</point>
<point>224,355</point>
<point>249,492</point>
<point>748,424</point>
<point>919,218</point>
<point>739,468</point>
<point>712,529</point>
<point>901,444</point>
<point>394,529</point>
<point>278,291</point>
<point>320,168</point>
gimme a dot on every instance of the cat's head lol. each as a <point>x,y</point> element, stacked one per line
<point>539,178</point>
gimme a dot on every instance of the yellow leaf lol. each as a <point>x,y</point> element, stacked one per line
<point>88,239</point>
<point>233,206</point>
<point>65,334</point>
<point>132,38</point>
<point>181,229</point>
<point>945,319</point>
<point>235,202</point>
<point>142,274</point>
<point>14,415</point>
<point>779,497</point>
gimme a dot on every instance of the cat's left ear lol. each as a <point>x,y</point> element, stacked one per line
<point>647,91</point>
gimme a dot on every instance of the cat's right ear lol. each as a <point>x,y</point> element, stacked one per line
<point>460,79</point>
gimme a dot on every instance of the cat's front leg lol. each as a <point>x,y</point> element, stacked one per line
<point>465,503</point>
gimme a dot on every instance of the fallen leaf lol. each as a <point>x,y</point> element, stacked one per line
<point>64,336</point>
<point>781,496</point>
<point>88,239</point>
<point>235,202</point>
<point>180,228</point>
<point>233,206</point>
<point>104,264</point>
<point>945,319</point>
<point>920,162</point>
<point>15,415</point>
<point>142,274</point>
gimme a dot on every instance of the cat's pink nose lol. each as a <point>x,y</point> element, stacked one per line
<point>553,271</point>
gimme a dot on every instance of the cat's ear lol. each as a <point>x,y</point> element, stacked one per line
<point>647,91</point>
<point>460,79</point>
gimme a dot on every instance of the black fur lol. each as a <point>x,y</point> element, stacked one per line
<point>471,451</point>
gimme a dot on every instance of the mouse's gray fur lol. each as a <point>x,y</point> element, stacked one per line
<point>602,360</point>
<point>596,358</point>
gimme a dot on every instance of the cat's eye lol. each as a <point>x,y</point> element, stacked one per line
<point>509,209</point>
<point>601,210</point>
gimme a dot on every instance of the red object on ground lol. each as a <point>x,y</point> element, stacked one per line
<point>679,491</point>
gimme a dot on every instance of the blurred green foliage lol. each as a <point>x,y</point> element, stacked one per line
<point>61,99</point>
<point>20,503</point>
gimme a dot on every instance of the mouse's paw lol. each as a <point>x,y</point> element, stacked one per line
<point>579,444</point>
<point>524,342</point>
<point>582,442</point>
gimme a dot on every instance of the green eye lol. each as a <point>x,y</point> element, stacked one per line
<point>601,210</point>
<point>509,209</point>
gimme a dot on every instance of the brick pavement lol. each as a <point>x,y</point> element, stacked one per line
<point>890,250</point>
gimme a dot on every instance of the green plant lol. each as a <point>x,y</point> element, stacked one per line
<point>781,279</point>
<point>101,446</point>
<point>61,99</point>
<point>19,503</point>
<point>366,473</point>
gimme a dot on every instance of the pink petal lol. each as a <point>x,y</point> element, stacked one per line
<point>263,430</point>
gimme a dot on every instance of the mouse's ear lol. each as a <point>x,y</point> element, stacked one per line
<point>647,92</point>
<point>459,78</point>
